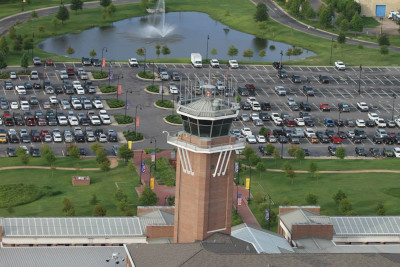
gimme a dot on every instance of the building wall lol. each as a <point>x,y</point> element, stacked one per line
<point>313,230</point>
<point>157,231</point>
<point>143,209</point>
<point>368,7</point>
<point>202,202</point>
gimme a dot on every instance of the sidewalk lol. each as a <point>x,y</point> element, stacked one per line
<point>244,210</point>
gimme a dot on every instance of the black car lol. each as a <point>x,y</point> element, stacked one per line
<point>375,152</point>
<point>82,151</point>
<point>282,139</point>
<point>323,138</point>
<point>370,123</point>
<point>388,140</point>
<point>245,105</point>
<point>387,152</point>
<point>332,150</point>
<point>344,107</point>
<point>277,65</point>
<point>52,121</point>
<point>80,137</point>
<point>84,121</point>
<point>58,89</point>
<point>265,106</point>
<point>329,132</point>
<point>360,151</point>
<point>361,133</point>
<point>98,131</point>
<point>342,134</point>
<point>306,151</point>
<point>262,150</point>
<point>324,78</point>
<point>68,89</point>
<point>33,100</point>
<point>13,138</point>
<point>243,91</point>
<point>296,78</point>
<point>8,85</point>
<point>282,73</point>
<point>278,132</point>
<point>305,106</point>
<point>95,62</point>
<point>264,115</point>
<point>91,89</point>
<point>308,90</point>
<point>37,85</point>
<point>35,152</point>
<point>161,69</point>
<point>175,76</point>
<point>11,152</point>
<point>28,85</point>
<point>356,139</point>
<point>112,137</point>
<point>309,122</point>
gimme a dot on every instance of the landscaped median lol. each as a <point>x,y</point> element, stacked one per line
<point>122,119</point>
<point>6,74</point>
<point>107,89</point>
<point>99,75</point>
<point>174,119</point>
<point>133,136</point>
<point>166,104</point>
<point>115,103</point>
<point>148,75</point>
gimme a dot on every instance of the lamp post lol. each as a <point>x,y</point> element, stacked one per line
<point>330,60</point>
<point>269,210</point>
<point>137,106</point>
<point>155,151</point>
<point>162,91</point>
<point>144,65</point>
<point>152,165</point>
<point>208,38</point>
<point>126,100</point>
<point>359,81</point>
<point>109,74</point>
<point>338,125</point>
<point>249,198</point>
<point>237,186</point>
<point>119,76</point>
<point>102,57</point>
<point>281,59</point>
<point>281,142</point>
<point>153,74</point>
<point>394,98</point>
<point>141,167</point>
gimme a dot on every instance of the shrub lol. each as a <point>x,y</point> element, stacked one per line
<point>99,75</point>
<point>148,197</point>
<point>165,104</point>
<point>269,149</point>
<point>146,75</point>
<point>115,103</point>
<point>133,136</point>
<point>311,199</point>
<point>176,119</point>
<point>153,88</point>
<point>5,75</point>
<point>18,194</point>
<point>165,173</point>
<point>384,50</point>
<point>107,88</point>
<point>122,119</point>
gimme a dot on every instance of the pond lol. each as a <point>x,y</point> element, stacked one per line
<point>187,33</point>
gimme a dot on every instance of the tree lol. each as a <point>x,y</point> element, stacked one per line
<point>248,53</point>
<point>68,209</point>
<point>261,12</point>
<point>105,3</point>
<point>73,151</point>
<point>76,5</point>
<point>92,53</point>
<point>10,209</point>
<point>213,51</point>
<point>309,12</point>
<point>165,50</point>
<point>299,154</point>
<point>289,52</point>
<point>344,25</point>
<point>384,50</point>
<point>232,51</point>
<point>264,131</point>
<point>99,211</point>
<point>247,152</point>
<point>382,40</point>
<point>254,159</point>
<point>101,156</point>
<point>148,197</point>
<point>48,154</point>
<point>105,165</point>
<point>94,200</point>
<point>273,29</point>
<point>313,168</point>
<point>27,43</point>
<point>70,50</point>
<point>325,16</point>
<point>339,196</point>
<point>260,168</point>
<point>12,32</point>
<point>345,206</point>
<point>380,209</point>
<point>339,19</point>
<point>269,149</point>
<point>340,153</point>
<point>311,199</point>
<point>55,22</point>
<point>292,150</point>
<point>144,4</point>
<point>356,23</point>
<point>276,154</point>
<point>262,53</point>
<point>24,61</point>
<point>17,44</point>
<point>62,14</point>
<point>95,147</point>
<point>125,153</point>
<point>238,98</point>
<point>4,46</point>
<point>341,39</point>
<point>290,173</point>
<point>352,8</point>
<point>3,62</point>
<point>158,52</point>
<point>110,10</point>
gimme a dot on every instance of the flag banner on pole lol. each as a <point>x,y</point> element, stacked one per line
<point>137,121</point>
<point>236,167</point>
<point>111,74</point>
<point>153,156</point>
<point>247,183</point>
<point>152,183</point>
<point>239,199</point>
<point>143,170</point>
<point>119,89</point>
<point>103,62</point>
<point>130,145</point>
<point>266,215</point>
<point>160,90</point>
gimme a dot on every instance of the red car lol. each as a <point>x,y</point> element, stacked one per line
<point>325,107</point>
<point>41,121</point>
<point>49,61</point>
<point>44,132</point>
<point>289,121</point>
<point>70,71</point>
<point>336,139</point>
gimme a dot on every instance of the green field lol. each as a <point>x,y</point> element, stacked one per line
<point>103,184</point>
<point>238,14</point>
<point>60,162</point>
<point>364,190</point>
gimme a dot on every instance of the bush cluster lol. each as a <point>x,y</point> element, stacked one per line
<point>121,119</point>
<point>153,88</point>
<point>146,75</point>
<point>165,103</point>
<point>133,136</point>
<point>99,75</point>
<point>115,103</point>
<point>107,88</point>
<point>176,119</point>
<point>165,173</point>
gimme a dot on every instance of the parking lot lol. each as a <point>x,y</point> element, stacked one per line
<point>378,87</point>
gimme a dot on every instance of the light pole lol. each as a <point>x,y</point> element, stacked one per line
<point>126,100</point>
<point>269,210</point>
<point>102,57</point>
<point>394,98</point>
<point>338,125</point>
<point>281,59</point>
<point>153,74</point>
<point>109,74</point>
<point>249,199</point>
<point>208,38</point>
<point>141,167</point>
<point>155,152</point>
<point>137,106</point>
<point>119,76</point>
<point>237,186</point>
<point>359,81</point>
<point>281,142</point>
<point>330,60</point>
<point>144,65</point>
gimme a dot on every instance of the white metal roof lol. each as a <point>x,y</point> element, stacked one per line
<point>72,227</point>
<point>364,225</point>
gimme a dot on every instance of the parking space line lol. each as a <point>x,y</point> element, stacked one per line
<point>316,79</point>
<point>243,78</point>
<point>370,79</point>
<point>261,78</point>
<point>383,108</point>
<point>376,93</point>
<point>370,69</point>
<point>388,80</point>
<point>353,80</point>
<point>252,78</point>
<point>379,80</point>
<point>264,92</point>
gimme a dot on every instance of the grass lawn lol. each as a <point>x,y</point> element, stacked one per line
<point>238,14</point>
<point>364,190</point>
<point>370,22</point>
<point>11,7</point>
<point>102,183</point>
<point>60,162</point>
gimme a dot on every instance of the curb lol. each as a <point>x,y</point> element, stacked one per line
<point>144,79</point>
<point>154,104</point>
<point>170,123</point>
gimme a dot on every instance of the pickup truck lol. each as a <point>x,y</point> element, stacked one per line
<point>340,65</point>
<point>233,64</point>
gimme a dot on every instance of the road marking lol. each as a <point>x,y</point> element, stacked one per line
<point>376,93</point>
<point>379,80</point>
<point>252,78</point>
<point>370,79</point>
<point>243,78</point>
<point>261,78</point>
<point>388,80</point>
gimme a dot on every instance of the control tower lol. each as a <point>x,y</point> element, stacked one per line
<point>205,169</point>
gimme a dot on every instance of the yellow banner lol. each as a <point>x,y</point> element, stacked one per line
<point>247,183</point>
<point>130,145</point>
<point>152,183</point>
